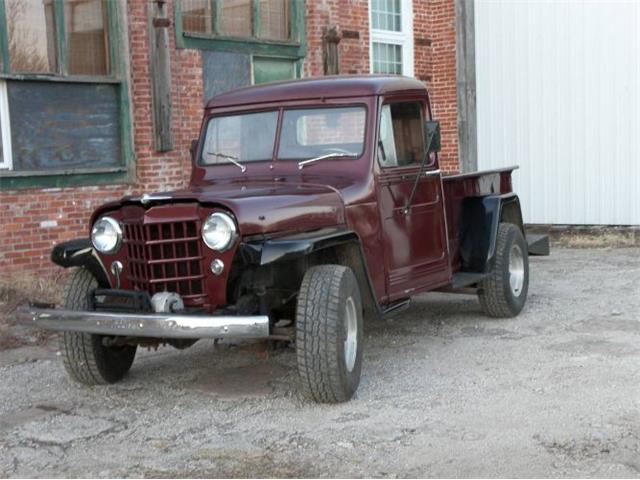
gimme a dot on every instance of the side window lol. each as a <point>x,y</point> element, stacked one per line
<point>401,134</point>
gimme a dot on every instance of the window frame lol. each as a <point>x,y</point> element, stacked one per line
<point>360,106</point>
<point>278,111</point>
<point>326,106</point>
<point>117,54</point>
<point>404,37</point>
<point>294,48</point>
<point>423,117</point>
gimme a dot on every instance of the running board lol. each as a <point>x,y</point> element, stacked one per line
<point>538,244</point>
<point>466,279</point>
<point>395,307</point>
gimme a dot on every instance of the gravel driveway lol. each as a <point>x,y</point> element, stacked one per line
<point>445,392</point>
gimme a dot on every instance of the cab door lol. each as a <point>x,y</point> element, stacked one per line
<point>414,231</point>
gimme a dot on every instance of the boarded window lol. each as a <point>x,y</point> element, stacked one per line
<point>64,125</point>
<point>86,37</point>
<point>274,19</point>
<point>31,36</point>
<point>236,19</point>
<point>272,69</point>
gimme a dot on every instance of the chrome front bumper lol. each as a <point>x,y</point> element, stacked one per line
<point>156,325</point>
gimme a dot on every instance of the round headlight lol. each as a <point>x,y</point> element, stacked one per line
<point>106,235</point>
<point>219,231</point>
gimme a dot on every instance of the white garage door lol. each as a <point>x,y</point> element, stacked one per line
<point>558,92</point>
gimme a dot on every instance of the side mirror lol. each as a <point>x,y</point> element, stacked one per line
<point>193,148</point>
<point>432,131</point>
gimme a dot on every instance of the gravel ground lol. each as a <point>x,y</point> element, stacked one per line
<point>445,392</point>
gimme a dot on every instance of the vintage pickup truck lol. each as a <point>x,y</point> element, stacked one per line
<point>313,206</point>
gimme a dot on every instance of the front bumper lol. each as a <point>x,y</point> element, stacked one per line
<point>153,325</point>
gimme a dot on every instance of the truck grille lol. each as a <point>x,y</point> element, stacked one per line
<point>166,257</point>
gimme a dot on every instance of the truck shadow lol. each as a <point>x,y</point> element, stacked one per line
<point>249,371</point>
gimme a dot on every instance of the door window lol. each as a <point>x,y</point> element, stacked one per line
<point>401,140</point>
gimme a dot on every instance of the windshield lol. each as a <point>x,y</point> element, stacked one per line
<point>313,132</point>
<point>328,132</point>
<point>245,138</point>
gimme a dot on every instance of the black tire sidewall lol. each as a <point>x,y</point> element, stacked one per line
<point>514,236</point>
<point>349,288</point>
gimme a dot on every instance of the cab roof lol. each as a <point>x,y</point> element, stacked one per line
<point>337,86</point>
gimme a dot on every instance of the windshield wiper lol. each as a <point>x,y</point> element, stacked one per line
<point>231,158</point>
<point>322,157</point>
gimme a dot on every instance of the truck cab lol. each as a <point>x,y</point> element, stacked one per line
<point>314,207</point>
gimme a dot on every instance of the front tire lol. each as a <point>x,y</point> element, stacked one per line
<point>85,358</point>
<point>503,292</point>
<point>329,334</point>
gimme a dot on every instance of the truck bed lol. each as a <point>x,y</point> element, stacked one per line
<point>457,187</point>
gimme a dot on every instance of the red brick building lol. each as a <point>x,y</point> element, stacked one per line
<point>83,120</point>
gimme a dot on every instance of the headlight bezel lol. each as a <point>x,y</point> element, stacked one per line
<point>232,230</point>
<point>115,225</point>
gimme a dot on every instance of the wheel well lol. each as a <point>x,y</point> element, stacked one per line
<point>283,278</point>
<point>511,213</point>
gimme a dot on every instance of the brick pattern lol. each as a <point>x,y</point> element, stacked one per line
<point>32,221</point>
<point>434,54</point>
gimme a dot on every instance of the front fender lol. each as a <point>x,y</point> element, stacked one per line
<point>295,246</point>
<point>80,253</point>
<point>345,244</point>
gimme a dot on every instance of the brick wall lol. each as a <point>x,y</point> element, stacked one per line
<point>434,54</point>
<point>32,221</point>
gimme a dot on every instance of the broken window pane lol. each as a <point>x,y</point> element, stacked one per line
<point>274,19</point>
<point>85,22</point>
<point>236,18</point>
<point>197,16</point>
<point>32,36</point>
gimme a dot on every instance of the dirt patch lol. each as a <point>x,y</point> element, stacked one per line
<point>587,236</point>
<point>21,289</point>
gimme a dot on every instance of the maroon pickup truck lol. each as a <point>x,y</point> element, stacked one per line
<point>313,205</point>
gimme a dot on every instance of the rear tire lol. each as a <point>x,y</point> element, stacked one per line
<point>85,358</point>
<point>503,292</point>
<point>329,334</point>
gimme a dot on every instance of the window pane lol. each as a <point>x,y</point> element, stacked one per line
<point>247,138</point>
<point>31,35</point>
<point>387,147</point>
<point>313,132</point>
<point>197,16</point>
<point>85,22</point>
<point>387,58</point>
<point>386,15</point>
<point>408,134</point>
<point>272,69</point>
<point>236,18</point>
<point>274,19</point>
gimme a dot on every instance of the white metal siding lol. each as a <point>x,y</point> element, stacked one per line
<point>558,92</point>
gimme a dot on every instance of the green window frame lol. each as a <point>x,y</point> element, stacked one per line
<point>118,75</point>
<point>294,48</point>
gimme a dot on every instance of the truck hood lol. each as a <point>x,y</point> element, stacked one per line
<point>259,207</point>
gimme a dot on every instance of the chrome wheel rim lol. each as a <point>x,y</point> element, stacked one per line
<point>516,270</point>
<point>351,340</point>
